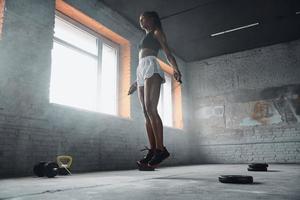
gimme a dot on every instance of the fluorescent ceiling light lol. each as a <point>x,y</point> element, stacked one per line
<point>298,12</point>
<point>235,29</point>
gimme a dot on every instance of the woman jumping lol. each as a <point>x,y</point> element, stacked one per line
<point>149,79</point>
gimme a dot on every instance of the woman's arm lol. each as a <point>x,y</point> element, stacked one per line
<point>160,36</point>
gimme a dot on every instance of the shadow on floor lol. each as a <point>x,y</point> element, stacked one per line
<point>204,179</point>
<point>186,179</point>
<point>256,183</point>
<point>273,171</point>
<point>266,171</point>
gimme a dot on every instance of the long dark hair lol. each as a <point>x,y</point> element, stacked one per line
<point>155,18</point>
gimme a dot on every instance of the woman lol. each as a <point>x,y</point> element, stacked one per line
<point>149,79</point>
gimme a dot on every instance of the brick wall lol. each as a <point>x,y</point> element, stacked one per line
<point>247,106</point>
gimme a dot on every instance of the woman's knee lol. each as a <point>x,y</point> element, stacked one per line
<point>145,114</point>
<point>151,111</point>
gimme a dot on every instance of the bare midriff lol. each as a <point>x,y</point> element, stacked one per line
<point>146,52</point>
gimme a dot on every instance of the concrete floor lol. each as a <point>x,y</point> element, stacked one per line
<point>170,183</point>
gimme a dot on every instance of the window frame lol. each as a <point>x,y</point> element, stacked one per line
<point>2,13</point>
<point>101,40</point>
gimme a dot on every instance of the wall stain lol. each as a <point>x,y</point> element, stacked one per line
<point>262,112</point>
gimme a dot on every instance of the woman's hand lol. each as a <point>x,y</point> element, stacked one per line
<point>177,75</point>
<point>132,88</point>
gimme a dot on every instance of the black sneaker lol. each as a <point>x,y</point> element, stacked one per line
<point>158,157</point>
<point>147,157</point>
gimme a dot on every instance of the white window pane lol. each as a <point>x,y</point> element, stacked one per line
<point>109,80</point>
<point>73,78</point>
<point>79,38</point>
<point>167,96</point>
<point>165,102</point>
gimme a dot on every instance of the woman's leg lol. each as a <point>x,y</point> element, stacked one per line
<point>151,98</point>
<point>149,130</point>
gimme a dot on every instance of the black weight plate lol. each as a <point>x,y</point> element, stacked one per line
<point>258,169</point>
<point>258,165</point>
<point>51,169</point>
<point>38,169</point>
<point>236,179</point>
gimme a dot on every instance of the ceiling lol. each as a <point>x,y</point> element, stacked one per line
<point>188,24</point>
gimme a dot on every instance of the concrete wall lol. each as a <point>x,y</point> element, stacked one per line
<point>32,129</point>
<point>247,106</point>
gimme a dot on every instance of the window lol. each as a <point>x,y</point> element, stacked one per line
<point>165,103</point>
<point>170,103</point>
<point>84,68</point>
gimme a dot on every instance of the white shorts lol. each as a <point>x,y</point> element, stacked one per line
<point>147,67</point>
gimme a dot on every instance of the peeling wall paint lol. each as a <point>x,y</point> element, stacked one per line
<point>263,113</point>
